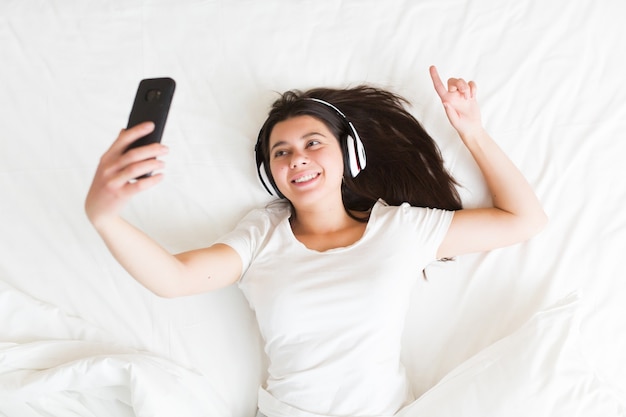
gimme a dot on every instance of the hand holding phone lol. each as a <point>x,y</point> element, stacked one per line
<point>113,185</point>
<point>152,103</point>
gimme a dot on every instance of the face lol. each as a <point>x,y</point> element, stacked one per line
<point>306,161</point>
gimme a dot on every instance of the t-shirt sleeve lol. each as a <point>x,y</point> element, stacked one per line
<point>436,223</point>
<point>422,228</point>
<point>247,235</point>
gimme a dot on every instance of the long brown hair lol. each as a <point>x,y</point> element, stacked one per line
<point>404,163</point>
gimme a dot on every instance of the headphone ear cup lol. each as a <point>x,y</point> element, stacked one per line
<point>352,156</point>
<point>360,153</point>
<point>266,181</point>
<point>356,155</point>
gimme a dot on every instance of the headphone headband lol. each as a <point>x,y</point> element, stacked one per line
<point>332,106</point>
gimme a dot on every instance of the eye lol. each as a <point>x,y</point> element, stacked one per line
<point>313,142</point>
<point>280,153</point>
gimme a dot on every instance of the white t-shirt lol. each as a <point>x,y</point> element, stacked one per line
<point>332,321</point>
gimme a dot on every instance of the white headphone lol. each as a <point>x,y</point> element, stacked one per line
<point>354,154</point>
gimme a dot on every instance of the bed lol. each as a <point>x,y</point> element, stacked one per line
<point>537,328</point>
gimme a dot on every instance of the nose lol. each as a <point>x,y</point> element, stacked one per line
<point>298,158</point>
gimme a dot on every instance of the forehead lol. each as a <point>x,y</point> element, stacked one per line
<point>297,127</point>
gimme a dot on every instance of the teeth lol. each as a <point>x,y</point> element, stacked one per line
<point>305,178</point>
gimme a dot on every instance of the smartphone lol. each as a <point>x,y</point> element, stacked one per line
<point>152,103</point>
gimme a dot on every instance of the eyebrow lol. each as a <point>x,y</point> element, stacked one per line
<point>305,136</point>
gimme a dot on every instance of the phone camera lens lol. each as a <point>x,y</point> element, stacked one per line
<point>153,95</point>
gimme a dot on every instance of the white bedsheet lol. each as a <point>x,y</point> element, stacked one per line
<point>79,337</point>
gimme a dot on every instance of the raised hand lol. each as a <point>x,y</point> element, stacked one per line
<point>459,102</point>
<point>113,183</point>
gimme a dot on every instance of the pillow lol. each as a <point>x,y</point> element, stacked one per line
<point>539,370</point>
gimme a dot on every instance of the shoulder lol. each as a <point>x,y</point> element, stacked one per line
<point>419,229</point>
<point>406,212</point>
<point>409,222</point>
<point>254,228</point>
<point>260,222</point>
<point>269,216</point>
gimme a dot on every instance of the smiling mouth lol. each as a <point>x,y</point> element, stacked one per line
<point>305,178</point>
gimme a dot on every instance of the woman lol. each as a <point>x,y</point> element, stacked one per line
<point>328,274</point>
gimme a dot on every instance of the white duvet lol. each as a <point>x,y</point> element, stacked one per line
<point>537,329</point>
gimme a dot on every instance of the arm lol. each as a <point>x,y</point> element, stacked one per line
<point>516,214</point>
<point>164,274</point>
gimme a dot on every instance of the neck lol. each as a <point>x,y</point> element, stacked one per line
<point>326,229</point>
<point>320,221</point>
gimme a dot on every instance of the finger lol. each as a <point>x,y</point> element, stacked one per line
<point>130,188</point>
<point>144,183</point>
<point>131,173</point>
<point>460,85</point>
<point>464,88</point>
<point>128,136</point>
<point>473,89</point>
<point>118,177</point>
<point>438,84</point>
<point>151,151</point>
<point>453,85</point>
<point>117,166</point>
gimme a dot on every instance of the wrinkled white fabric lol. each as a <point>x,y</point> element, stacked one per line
<point>54,376</point>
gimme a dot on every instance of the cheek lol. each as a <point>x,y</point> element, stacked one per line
<point>336,161</point>
<point>276,168</point>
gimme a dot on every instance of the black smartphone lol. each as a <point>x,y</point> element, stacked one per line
<point>152,103</point>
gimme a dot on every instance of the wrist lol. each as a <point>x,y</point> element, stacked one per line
<point>102,223</point>
<point>473,136</point>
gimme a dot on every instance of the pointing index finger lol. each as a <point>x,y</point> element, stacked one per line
<point>439,87</point>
